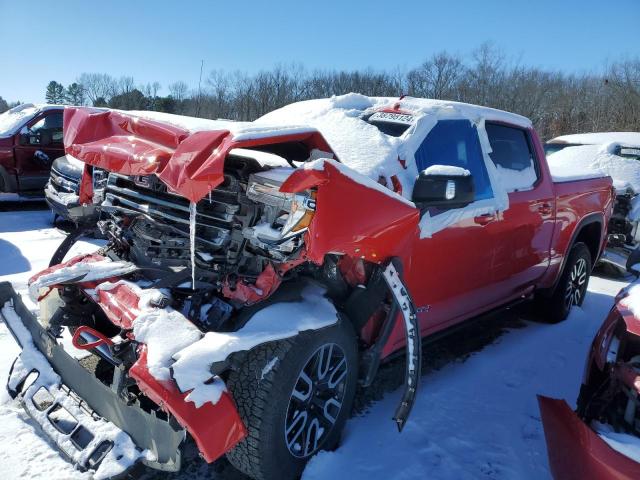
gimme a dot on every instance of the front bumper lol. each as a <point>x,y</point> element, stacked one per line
<point>576,452</point>
<point>624,257</point>
<point>73,211</point>
<point>129,433</point>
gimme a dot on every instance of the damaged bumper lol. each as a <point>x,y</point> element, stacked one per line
<point>577,452</point>
<point>623,256</point>
<point>80,407</point>
<point>70,210</point>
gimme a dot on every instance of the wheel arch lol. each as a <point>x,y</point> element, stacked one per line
<point>589,230</point>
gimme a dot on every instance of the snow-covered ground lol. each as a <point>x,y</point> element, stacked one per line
<point>476,415</point>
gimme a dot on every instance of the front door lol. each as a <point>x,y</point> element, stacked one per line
<point>37,145</point>
<point>451,274</point>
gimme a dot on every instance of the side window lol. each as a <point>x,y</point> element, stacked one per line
<point>456,143</point>
<point>513,156</point>
<point>46,131</point>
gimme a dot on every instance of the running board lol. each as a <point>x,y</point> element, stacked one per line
<point>414,343</point>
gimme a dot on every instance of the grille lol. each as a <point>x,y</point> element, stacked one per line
<point>148,198</point>
<point>63,183</point>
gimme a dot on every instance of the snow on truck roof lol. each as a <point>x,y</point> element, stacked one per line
<point>358,144</point>
<point>363,146</point>
<point>630,139</point>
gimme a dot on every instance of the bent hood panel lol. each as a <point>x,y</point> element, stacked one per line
<point>189,163</point>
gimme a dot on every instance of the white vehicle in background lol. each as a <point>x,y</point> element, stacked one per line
<point>616,154</point>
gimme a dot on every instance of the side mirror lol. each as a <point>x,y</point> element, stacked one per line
<point>444,186</point>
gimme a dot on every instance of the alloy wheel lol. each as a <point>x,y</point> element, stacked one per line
<point>316,400</point>
<point>577,284</point>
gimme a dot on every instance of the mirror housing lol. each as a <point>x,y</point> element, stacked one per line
<point>443,187</point>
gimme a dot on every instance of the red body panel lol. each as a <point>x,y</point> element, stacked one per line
<point>8,163</point>
<point>574,202</point>
<point>576,452</point>
<point>120,304</point>
<point>354,231</point>
<point>216,429</point>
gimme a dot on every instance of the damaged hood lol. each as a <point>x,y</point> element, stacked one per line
<point>190,161</point>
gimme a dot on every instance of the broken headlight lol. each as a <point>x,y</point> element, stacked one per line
<point>99,178</point>
<point>286,214</point>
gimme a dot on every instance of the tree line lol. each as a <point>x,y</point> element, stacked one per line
<point>557,102</point>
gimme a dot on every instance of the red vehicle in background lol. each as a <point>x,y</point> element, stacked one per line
<point>257,273</point>
<point>31,139</point>
<point>602,438</point>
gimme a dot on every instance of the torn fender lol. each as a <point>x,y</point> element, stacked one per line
<point>353,218</point>
<point>576,452</point>
<point>189,163</point>
<point>602,340</point>
<point>216,428</point>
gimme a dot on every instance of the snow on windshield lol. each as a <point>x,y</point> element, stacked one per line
<point>593,161</point>
<point>12,119</point>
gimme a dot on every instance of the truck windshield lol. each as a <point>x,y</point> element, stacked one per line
<point>628,152</point>
<point>12,119</point>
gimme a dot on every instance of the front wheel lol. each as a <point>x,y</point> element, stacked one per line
<point>572,286</point>
<point>294,397</point>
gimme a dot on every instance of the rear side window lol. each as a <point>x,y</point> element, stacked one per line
<point>513,156</point>
<point>456,143</point>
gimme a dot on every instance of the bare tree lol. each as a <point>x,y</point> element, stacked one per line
<point>97,86</point>
<point>179,90</point>
<point>557,103</point>
<point>438,77</point>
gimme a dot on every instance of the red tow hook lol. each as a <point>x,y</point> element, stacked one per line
<point>102,340</point>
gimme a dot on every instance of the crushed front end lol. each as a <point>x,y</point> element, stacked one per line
<point>105,374</point>
<point>601,439</point>
<point>135,342</point>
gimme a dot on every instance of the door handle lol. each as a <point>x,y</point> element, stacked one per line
<point>484,219</point>
<point>545,209</point>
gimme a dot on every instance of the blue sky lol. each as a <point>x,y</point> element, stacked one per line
<point>165,41</point>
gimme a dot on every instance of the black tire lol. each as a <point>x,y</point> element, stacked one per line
<point>263,388</point>
<point>572,286</point>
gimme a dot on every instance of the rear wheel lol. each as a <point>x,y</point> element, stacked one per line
<point>294,397</point>
<point>572,286</point>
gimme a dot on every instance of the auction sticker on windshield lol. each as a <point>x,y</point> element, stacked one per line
<point>392,117</point>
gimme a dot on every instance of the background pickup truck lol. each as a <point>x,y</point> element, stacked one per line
<point>257,273</point>
<point>30,140</point>
<point>615,154</point>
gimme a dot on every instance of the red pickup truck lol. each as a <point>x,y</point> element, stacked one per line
<point>30,140</point>
<point>257,273</point>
